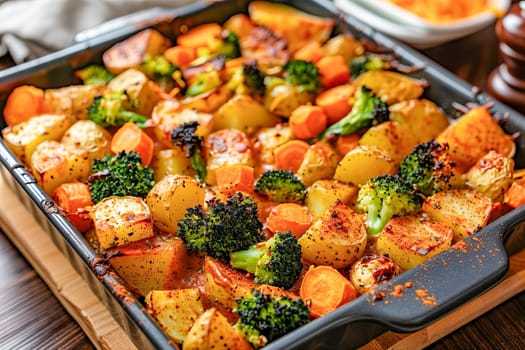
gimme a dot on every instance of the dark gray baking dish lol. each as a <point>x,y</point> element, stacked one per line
<point>452,278</point>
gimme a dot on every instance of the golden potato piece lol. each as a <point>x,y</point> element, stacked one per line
<point>424,118</point>
<point>213,331</point>
<point>320,162</point>
<point>243,113</point>
<point>391,87</point>
<point>175,310</point>
<point>363,163</point>
<point>324,193</point>
<point>492,175</point>
<point>89,136</point>
<point>226,147</point>
<point>472,136</point>
<point>169,199</point>
<point>156,263</point>
<point>284,99</point>
<point>296,27</point>
<point>23,137</point>
<point>130,53</point>
<point>72,100</point>
<point>54,163</point>
<point>397,140</point>
<point>413,239</point>
<point>465,211</point>
<point>143,94</point>
<point>121,220</point>
<point>171,161</point>
<point>371,270</point>
<point>337,238</point>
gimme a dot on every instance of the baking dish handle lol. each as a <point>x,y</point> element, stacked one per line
<point>416,298</point>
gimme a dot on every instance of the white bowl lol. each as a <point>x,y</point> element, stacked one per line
<point>407,27</point>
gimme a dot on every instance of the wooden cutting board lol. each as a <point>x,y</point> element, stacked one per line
<point>105,333</point>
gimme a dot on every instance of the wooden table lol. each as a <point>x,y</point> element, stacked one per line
<point>31,318</point>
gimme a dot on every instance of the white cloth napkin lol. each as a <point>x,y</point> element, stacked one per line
<point>32,28</point>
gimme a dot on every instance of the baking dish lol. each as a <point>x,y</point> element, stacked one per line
<point>451,279</point>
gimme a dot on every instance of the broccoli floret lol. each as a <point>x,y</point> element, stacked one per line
<point>227,227</point>
<point>159,69</point>
<point>230,45</point>
<point>94,75</point>
<point>121,174</point>
<point>428,168</point>
<point>185,136</point>
<point>360,65</point>
<point>383,197</point>
<point>304,74</point>
<point>368,110</point>
<point>276,261</point>
<point>253,77</point>
<point>281,186</point>
<point>264,317</point>
<point>194,228</point>
<point>108,111</point>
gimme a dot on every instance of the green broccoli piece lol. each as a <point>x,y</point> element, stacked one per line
<point>159,69</point>
<point>362,64</point>
<point>281,186</point>
<point>94,74</point>
<point>185,136</point>
<point>383,197</point>
<point>229,47</point>
<point>428,168</point>
<point>194,228</point>
<point>276,261</point>
<point>264,317</point>
<point>108,111</point>
<point>253,77</point>
<point>304,74</point>
<point>121,174</point>
<point>368,110</point>
<point>227,227</point>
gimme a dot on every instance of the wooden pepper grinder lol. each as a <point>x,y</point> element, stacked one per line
<point>507,82</point>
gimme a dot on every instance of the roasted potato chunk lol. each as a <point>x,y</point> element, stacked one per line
<point>320,162</point>
<point>142,93</point>
<point>130,53</point>
<point>296,27</point>
<point>226,147</point>
<point>54,163</point>
<point>465,211</point>
<point>391,87</point>
<point>397,140</point>
<point>72,100</point>
<point>169,199</point>
<point>156,263</point>
<point>168,115</point>
<point>243,113</point>
<point>284,99</point>
<point>89,136</point>
<point>121,220</point>
<point>424,118</point>
<point>371,270</point>
<point>23,137</point>
<point>413,239</point>
<point>363,163</point>
<point>492,175</point>
<point>171,161</point>
<point>213,331</point>
<point>175,310</point>
<point>473,135</point>
<point>337,238</point>
<point>324,193</point>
